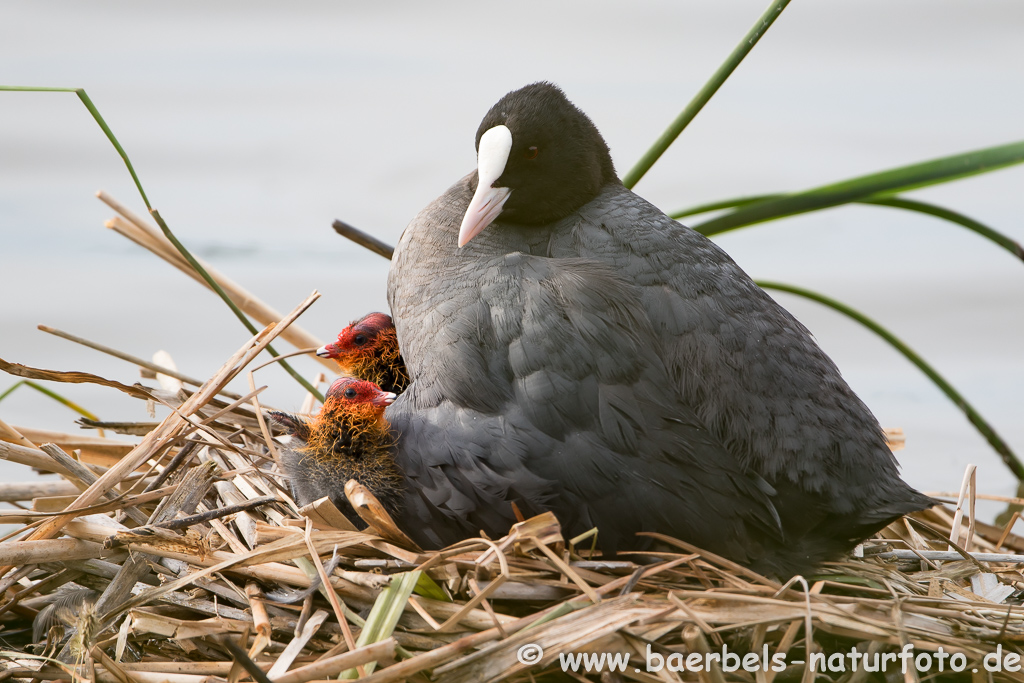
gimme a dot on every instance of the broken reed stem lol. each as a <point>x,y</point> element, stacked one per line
<point>32,552</point>
<point>364,239</point>
<point>171,425</point>
<point>332,596</point>
<point>261,621</point>
<point>32,457</point>
<point>331,666</point>
<point>145,235</point>
<point>264,429</point>
<point>141,362</point>
<point>9,433</point>
<point>191,520</point>
<point>180,457</point>
<point>966,491</point>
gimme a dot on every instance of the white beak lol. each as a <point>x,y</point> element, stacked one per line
<point>495,146</point>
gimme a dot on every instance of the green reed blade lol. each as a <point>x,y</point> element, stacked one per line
<point>1009,458</point>
<point>705,93</point>
<point>186,254</point>
<point>874,186</point>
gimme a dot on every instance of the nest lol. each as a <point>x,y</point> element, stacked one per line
<point>183,558</point>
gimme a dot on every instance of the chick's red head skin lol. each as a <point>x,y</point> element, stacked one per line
<point>348,439</point>
<point>368,349</point>
<point>366,337</point>
<point>352,396</point>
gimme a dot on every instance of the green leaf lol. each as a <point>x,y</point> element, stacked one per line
<point>99,120</point>
<point>384,615</point>
<point>705,93</point>
<point>10,390</point>
<point>888,182</point>
<point>428,588</point>
<point>1002,240</point>
<point>1009,458</point>
<point>306,565</point>
<point>722,204</point>
<point>52,394</point>
<point>960,219</point>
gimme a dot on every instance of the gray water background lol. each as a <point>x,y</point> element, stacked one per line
<point>253,125</point>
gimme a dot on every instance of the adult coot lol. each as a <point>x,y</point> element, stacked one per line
<point>572,348</point>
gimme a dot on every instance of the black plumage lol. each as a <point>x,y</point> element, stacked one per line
<point>586,354</point>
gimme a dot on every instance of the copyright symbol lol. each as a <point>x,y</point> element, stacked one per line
<point>530,654</point>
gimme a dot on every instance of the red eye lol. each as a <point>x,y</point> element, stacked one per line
<point>531,153</point>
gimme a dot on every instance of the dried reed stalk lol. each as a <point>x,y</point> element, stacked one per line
<point>173,424</point>
<point>475,604</point>
<point>145,235</point>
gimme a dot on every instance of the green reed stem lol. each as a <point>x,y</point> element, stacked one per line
<point>705,93</point>
<point>163,226</point>
<point>1009,458</point>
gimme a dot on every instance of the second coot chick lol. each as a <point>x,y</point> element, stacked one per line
<point>368,349</point>
<point>348,439</point>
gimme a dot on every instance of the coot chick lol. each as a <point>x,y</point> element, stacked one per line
<point>572,348</point>
<point>348,439</point>
<point>368,349</point>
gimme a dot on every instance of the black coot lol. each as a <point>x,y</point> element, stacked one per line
<point>572,348</point>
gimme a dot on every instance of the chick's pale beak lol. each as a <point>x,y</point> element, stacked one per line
<point>495,146</point>
<point>325,351</point>
<point>386,398</point>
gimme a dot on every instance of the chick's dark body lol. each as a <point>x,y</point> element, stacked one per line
<point>348,439</point>
<point>315,473</point>
<point>621,370</point>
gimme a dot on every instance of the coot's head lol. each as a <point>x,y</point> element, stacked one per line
<point>368,349</point>
<point>348,394</point>
<point>539,158</point>
<point>363,338</point>
<point>349,403</point>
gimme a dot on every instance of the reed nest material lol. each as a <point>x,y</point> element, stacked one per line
<point>175,561</point>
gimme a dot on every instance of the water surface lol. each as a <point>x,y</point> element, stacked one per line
<point>253,125</point>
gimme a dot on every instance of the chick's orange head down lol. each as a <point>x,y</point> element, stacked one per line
<point>363,338</point>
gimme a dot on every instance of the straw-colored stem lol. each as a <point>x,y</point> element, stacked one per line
<point>9,433</point>
<point>145,235</point>
<point>326,668</point>
<point>18,553</point>
<point>141,362</point>
<point>173,423</point>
